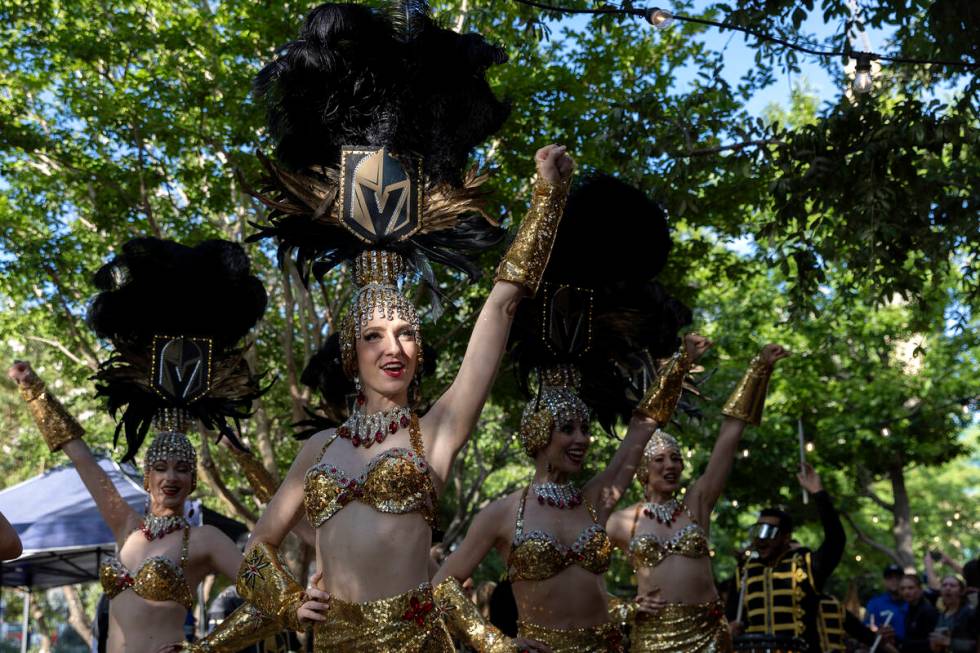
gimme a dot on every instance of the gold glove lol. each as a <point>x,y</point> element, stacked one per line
<point>242,628</point>
<point>256,474</point>
<point>56,424</point>
<point>661,398</point>
<point>525,261</point>
<point>621,611</point>
<point>466,623</point>
<point>749,397</point>
<point>264,581</point>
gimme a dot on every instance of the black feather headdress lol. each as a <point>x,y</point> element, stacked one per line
<point>360,77</point>
<point>175,316</point>
<point>601,311</point>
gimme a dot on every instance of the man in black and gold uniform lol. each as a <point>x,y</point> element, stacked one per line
<point>783,585</point>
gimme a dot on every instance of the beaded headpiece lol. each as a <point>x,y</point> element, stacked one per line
<point>173,368</point>
<point>592,329</point>
<point>374,115</point>
<point>170,445</point>
<point>660,442</point>
<point>378,274</point>
<point>556,404</point>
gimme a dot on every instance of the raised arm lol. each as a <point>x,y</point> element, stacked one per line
<point>828,554</point>
<point>744,407</point>
<point>606,487</point>
<point>62,432</point>
<point>450,422</point>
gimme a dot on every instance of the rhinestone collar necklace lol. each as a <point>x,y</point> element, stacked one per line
<point>558,495</point>
<point>664,513</point>
<point>153,527</point>
<point>366,430</point>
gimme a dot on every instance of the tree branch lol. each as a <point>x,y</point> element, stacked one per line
<point>731,147</point>
<point>64,350</point>
<point>864,537</point>
<point>209,471</point>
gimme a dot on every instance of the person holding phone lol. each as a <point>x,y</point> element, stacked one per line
<point>956,629</point>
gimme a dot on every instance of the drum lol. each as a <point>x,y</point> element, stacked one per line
<point>765,643</point>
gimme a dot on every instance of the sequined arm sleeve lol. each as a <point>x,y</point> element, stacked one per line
<point>57,426</point>
<point>749,397</point>
<point>264,581</point>
<point>242,628</point>
<point>663,395</point>
<point>258,477</point>
<point>466,623</point>
<point>525,261</point>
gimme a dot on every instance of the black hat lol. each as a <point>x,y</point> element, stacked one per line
<point>893,570</point>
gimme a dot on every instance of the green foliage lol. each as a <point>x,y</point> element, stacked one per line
<point>855,222</point>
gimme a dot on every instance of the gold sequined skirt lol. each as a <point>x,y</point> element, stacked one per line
<point>604,638</point>
<point>682,628</point>
<point>407,623</point>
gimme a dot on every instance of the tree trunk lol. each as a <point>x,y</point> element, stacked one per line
<point>77,617</point>
<point>901,516</point>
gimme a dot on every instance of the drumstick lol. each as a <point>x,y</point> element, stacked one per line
<point>741,591</point>
<point>799,432</point>
<point>888,620</point>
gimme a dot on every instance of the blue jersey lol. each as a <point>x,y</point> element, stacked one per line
<point>881,606</point>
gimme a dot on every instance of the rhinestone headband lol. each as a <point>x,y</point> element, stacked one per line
<point>660,442</point>
<point>170,445</point>
<point>377,273</point>
<point>558,403</point>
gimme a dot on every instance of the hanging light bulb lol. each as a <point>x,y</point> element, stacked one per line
<point>659,18</point>
<point>862,73</point>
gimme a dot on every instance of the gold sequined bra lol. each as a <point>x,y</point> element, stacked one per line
<point>395,481</point>
<point>537,555</point>
<point>158,578</point>
<point>648,550</point>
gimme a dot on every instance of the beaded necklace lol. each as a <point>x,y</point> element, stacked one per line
<point>558,495</point>
<point>366,430</point>
<point>153,527</point>
<point>664,513</point>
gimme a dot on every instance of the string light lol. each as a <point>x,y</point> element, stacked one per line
<point>809,447</point>
<point>857,558</point>
<point>886,431</point>
<point>661,18</point>
<point>745,453</point>
<point>875,519</point>
<point>949,522</point>
<point>862,73</point>
<point>916,519</point>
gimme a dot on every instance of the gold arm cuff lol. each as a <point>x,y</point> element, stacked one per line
<point>661,398</point>
<point>749,397</point>
<point>465,621</point>
<point>242,628</point>
<point>258,477</point>
<point>264,581</point>
<point>525,261</point>
<point>621,611</point>
<point>56,424</point>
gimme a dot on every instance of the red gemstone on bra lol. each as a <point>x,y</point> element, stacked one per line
<point>393,427</point>
<point>551,502</point>
<point>541,500</point>
<point>405,421</point>
<point>379,438</point>
<point>356,441</point>
<point>343,432</point>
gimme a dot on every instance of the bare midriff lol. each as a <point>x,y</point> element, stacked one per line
<point>140,626</point>
<point>573,598</point>
<point>367,555</point>
<point>679,579</point>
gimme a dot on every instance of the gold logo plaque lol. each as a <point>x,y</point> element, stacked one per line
<point>380,198</point>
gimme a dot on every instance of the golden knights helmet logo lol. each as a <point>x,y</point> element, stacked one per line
<point>380,197</point>
<point>181,370</point>
<point>567,320</point>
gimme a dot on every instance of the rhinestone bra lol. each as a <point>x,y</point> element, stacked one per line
<point>396,481</point>
<point>158,578</point>
<point>648,550</point>
<point>537,555</point>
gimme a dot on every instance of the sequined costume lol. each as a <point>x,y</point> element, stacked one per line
<point>395,481</point>
<point>649,550</point>
<point>158,578</point>
<point>604,638</point>
<point>537,555</point>
<point>408,623</point>
<point>677,627</point>
<point>682,628</point>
